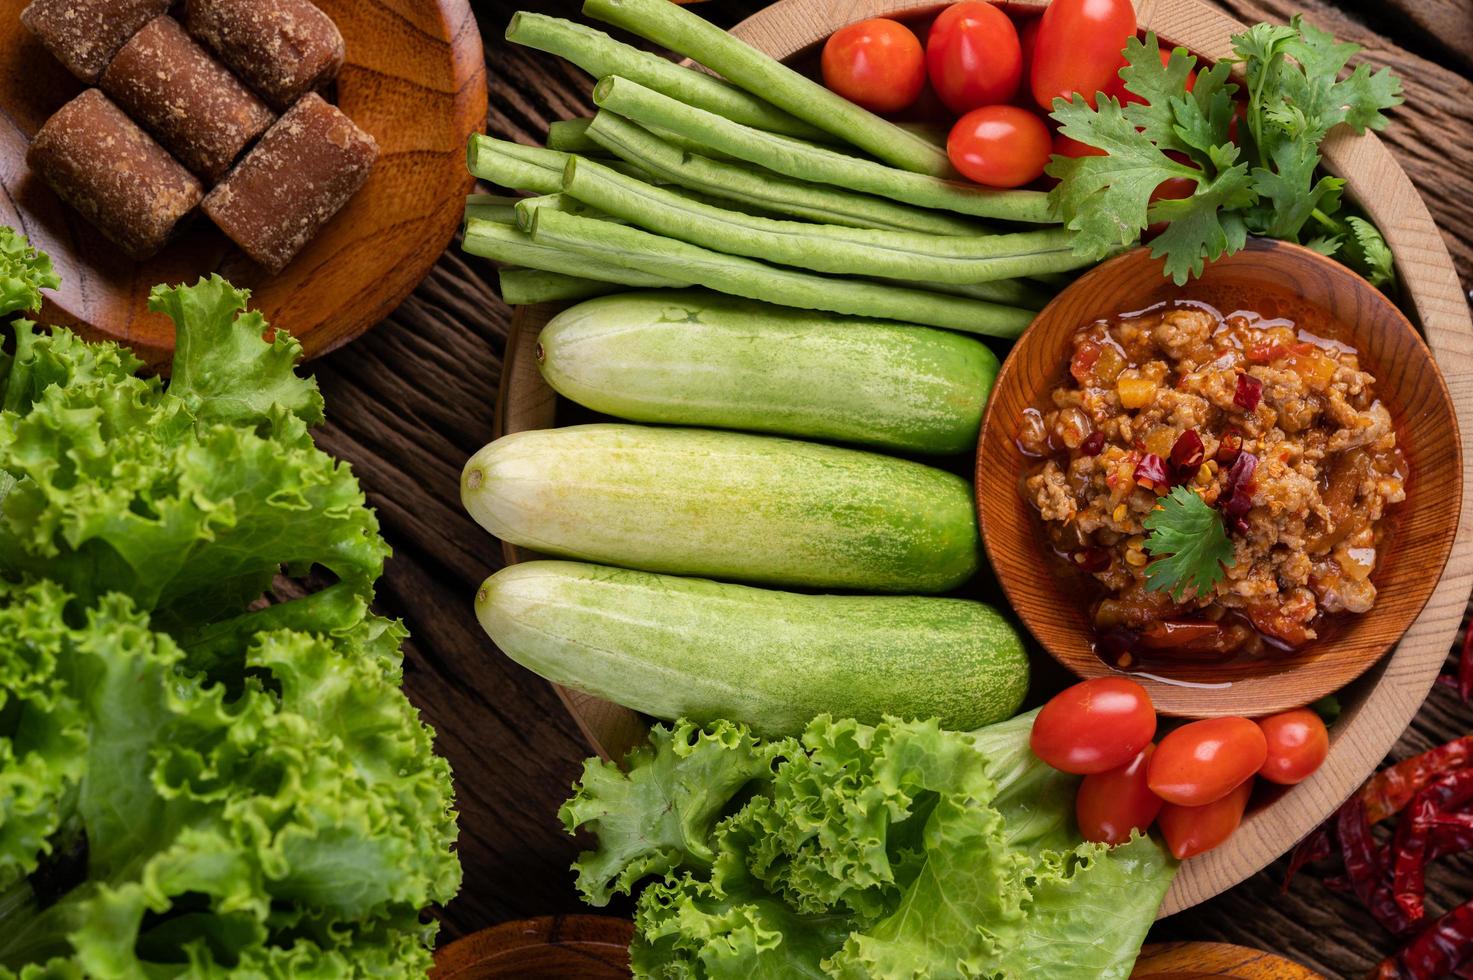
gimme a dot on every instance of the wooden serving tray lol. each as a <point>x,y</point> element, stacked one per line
<point>415,78</point>
<point>1379,706</point>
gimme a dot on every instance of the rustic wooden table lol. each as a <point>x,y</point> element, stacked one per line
<point>410,401</point>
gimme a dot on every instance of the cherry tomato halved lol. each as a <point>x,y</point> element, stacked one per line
<point>877,64</point>
<point>1297,745</point>
<point>1193,830</point>
<point>1079,45</point>
<point>999,145</point>
<point>1109,805</point>
<point>1201,762</point>
<point>973,56</point>
<point>1095,726</point>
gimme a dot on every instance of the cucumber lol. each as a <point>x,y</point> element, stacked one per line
<point>674,647</point>
<point>694,358</point>
<point>728,505</point>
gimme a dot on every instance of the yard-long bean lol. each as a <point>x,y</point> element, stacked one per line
<point>686,33</point>
<point>764,189</point>
<point>492,207</point>
<point>738,276</point>
<point>527,168</point>
<point>808,162</point>
<point>504,243</point>
<point>821,248</point>
<point>571,136</point>
<point>600,55</point>
<point>520,286</point>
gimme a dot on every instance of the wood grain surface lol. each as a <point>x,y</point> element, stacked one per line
<point>1203,961</point>
<point>411,400</point>
<point>414,78</point>
<point>1421,529</point>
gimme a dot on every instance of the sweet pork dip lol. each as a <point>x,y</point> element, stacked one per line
<point>1222,478</point>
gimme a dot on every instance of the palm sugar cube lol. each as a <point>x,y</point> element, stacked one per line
<point>85,34</point>
<point>189,101</point>
<point>101,163</point>
<point>281,48</point>
<point>296,178</point>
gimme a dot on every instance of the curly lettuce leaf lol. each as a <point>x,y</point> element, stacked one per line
<point>301,823</point>
<point>24,272</point>
<point>224,371</point>
<point>660,815</point>
<point>189,499</point>
<point>898,850</point>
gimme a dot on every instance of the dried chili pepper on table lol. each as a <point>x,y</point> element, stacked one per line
<point>1365,865</point>
<point>1411,844</point>
<point>1391,789</point>
<point>1441,948</point>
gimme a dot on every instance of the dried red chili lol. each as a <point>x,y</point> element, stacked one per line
<point>1186,455</point>
<point>1366,867</point>
<point>1150,471</point>
<point>1316,847</point>
<point>1092,444</point>
<point>1237,494</point>
<point>1391,789</point>
<point>1409,851</point>
<point>1229,446</point>
<point>1248,392</point>
<point>1440,948</point>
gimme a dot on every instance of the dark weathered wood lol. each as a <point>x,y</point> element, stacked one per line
<point>410,401</point>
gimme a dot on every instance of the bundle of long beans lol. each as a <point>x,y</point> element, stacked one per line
<point>794,196</point>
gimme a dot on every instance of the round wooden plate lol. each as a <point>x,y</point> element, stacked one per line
<point>1207,961</point>
<point>414,78</point>
<point>1378,706</point>
<point>553,947</point>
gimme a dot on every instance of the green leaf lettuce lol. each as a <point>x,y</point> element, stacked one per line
<point>898,850</point>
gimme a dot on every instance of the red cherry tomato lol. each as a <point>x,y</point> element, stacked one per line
<point>973,56</point>
<point>1204,761</point>
<point>1079,45</point>
<point>1095,726</point>
<point>999,145</point>
<point>877,64</point>
<point>1066,146</point>
<point>1124,96</point>
<point>1297,745</point>
<point>1192,830</point>
<point>1109,805</point>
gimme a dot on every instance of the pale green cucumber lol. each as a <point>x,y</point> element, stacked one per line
<point>695,358</point>
<point>728,505</point>
<point>681,647</point>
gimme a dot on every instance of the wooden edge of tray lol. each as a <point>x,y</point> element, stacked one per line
<point>1388,696</point>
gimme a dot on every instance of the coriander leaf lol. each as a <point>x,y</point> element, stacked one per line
<point>1324,244</point>
<point>1158,85</point>
<point>1104,199</point>
<point>1204,116</point>
<point>1204,226</point>
<point>1367,252</point>
<point>24,272</point>
<point>1286,204</point>
<point>1317,91</point>
<point>1189,544</point>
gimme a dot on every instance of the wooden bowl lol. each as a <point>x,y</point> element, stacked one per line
<point>1421,528</point>
<point>1206,961</point>
<point>553,947</point>
<point>1378,707</point>
<point>414,78</point>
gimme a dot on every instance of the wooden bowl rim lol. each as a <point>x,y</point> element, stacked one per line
<point>1244,696</point>
<point>107,305</point>
<point>1372,723</point>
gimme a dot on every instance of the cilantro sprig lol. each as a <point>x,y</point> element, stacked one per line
<point>1190,546</point>
<point>1265,182</point>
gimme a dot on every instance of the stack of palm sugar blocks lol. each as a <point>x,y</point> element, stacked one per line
<point>219,112</point>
